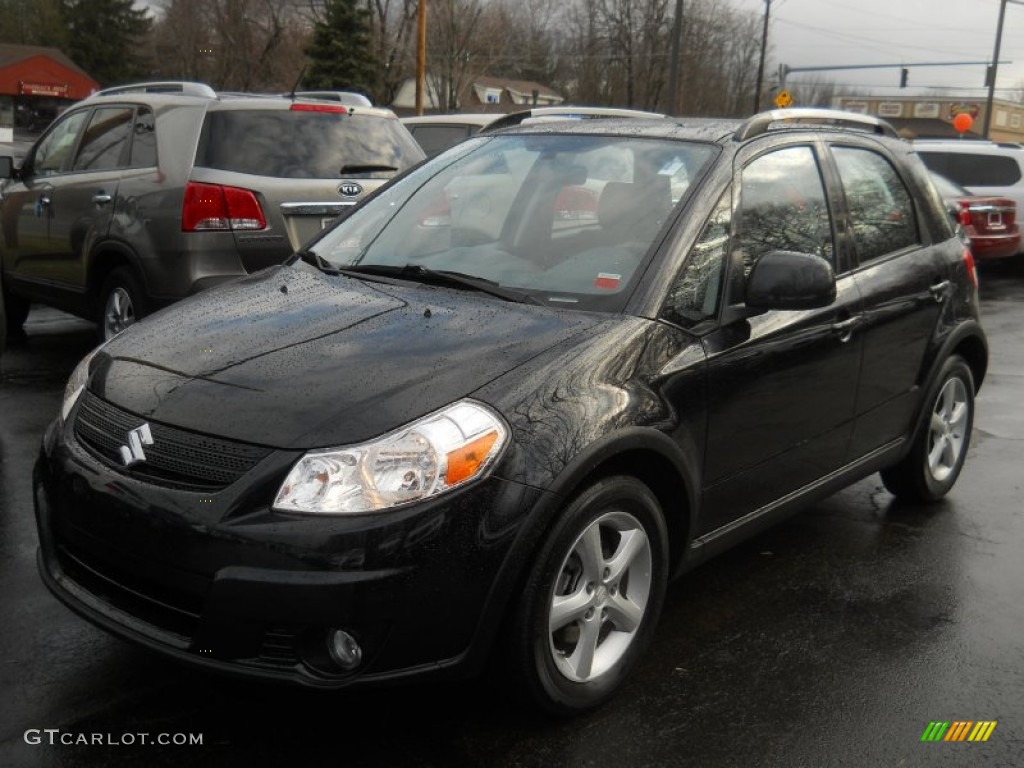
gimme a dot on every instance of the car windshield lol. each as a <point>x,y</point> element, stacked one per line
<point>568,219</point>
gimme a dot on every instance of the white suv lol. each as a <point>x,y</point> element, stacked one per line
<point>983,167</point>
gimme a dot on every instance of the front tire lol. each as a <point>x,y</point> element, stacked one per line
<point>592,598</point>
<point>122,302</point>
<point>933,465</point>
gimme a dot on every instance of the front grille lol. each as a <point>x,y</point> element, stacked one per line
<point>177,458</point>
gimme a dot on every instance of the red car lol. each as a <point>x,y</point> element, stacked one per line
<point>989,222</point>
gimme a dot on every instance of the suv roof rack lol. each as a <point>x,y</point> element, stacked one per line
<point>184,87</point>
<point>762,122</point>
<point>539,114</point>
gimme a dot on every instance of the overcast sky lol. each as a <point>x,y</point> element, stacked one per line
<point>807,33</point>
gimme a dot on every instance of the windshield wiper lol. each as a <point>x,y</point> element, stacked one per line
<point>366,168</point>
<point>317,261</point>
<point>441,277</point>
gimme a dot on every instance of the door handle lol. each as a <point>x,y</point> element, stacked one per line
<point>101,198</point>
<point>939,291</point>
<point>844,328</point>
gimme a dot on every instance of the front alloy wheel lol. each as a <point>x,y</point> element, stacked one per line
<point>600,596</point>
<point>592,598</point>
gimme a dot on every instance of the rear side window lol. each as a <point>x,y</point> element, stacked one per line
<point>305,145</point>
<point>881,209</point>
<point>143,140</point>
<point>105,139</point>
<point>975,170</point>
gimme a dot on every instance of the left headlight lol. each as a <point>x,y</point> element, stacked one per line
<point>427,457</point>
<point>79,378</point>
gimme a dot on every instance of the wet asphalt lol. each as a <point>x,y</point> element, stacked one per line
<point>832,640</point>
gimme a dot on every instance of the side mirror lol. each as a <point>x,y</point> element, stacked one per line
<point>6,167</point>
<point>790,280</point>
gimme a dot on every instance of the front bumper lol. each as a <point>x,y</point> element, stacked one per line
<point>222,581</point>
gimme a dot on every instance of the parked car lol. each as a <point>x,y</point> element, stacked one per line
<point>984,168</point>
<point>458,426</point>
<point>436,133</point>
<point>990,223</point>
<point>143,194</point>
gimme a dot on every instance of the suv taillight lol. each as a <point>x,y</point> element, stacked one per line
<point>213,207</point>
<point>965,213</point>
<point>972,272</point>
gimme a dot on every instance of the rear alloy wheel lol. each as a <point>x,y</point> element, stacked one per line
<point>122,302</point>
<point>931,468</point>
<point>593,598</point>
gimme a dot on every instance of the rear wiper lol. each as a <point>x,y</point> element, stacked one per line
<point>367,168</point>
<point>442,277</point>
<point>317,261</point>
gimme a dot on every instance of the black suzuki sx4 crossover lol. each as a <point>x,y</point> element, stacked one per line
<point>495,409</point>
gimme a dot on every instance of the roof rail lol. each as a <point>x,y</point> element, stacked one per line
<point>563,112</point>
<point>762,122</point>
<point>184,87</point>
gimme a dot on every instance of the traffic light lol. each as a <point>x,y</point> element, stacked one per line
<point>903,77</point>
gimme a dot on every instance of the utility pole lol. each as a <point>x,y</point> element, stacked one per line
<point>991,74</point>
<point>673,72</point>
<point>760,65</point>
<point>421,55</point>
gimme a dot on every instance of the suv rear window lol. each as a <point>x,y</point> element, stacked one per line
<point>974,170</point>
<point>304,145</point>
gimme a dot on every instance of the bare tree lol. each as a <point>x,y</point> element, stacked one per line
<point>393,30</point>
<point>241,45</point>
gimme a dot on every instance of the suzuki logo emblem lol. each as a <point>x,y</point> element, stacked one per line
<point>350,189</point>
<point>133,453</point>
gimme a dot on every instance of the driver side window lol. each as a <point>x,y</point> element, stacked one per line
<point>782,207</point>
<point>53,153</point>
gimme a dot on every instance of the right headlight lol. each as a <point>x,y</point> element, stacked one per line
<point>431,455</point>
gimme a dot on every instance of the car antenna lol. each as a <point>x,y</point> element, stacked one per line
<point>297,81</point>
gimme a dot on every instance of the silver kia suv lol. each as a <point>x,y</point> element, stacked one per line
<point>144,194</point>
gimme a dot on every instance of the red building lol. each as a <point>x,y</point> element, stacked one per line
<point>35,84</point>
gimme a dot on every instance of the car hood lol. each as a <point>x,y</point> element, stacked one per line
<point>294,358</point>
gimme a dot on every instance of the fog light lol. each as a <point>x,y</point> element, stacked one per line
<point>344,650</point>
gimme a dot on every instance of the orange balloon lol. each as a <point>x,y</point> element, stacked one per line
<point>963,122</point>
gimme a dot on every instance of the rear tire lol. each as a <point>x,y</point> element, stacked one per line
<point>16,310</point>
<point>592,598</point>
<point>933,465</point>
<point>122,302</point>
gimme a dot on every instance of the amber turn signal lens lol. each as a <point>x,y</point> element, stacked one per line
<point>464,462</point>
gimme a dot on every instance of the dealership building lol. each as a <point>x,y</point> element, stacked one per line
<point>36,84</point>
<point>932,117</point>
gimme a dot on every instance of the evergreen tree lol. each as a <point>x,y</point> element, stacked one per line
<point>107,38</point>
<point>341,51</point>
<point>32,22</point>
